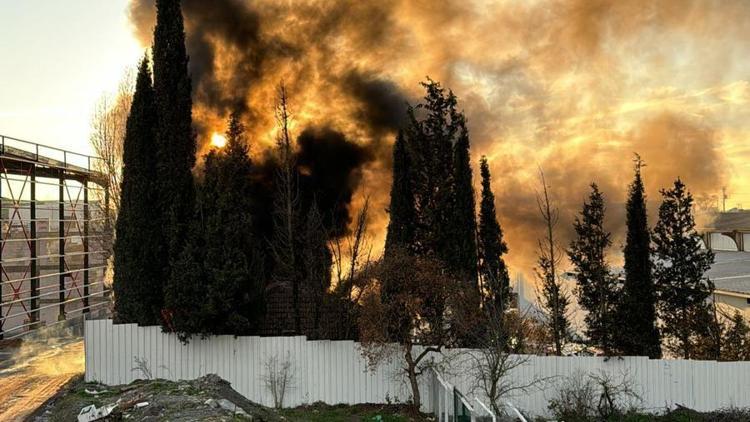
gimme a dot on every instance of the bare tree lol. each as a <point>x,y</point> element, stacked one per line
<point>108,125</point>
<point>397,325</point>
<point>351,252</point>
<point>352,262</point>
<point>500,343</point>
<point>551,295</point>
<point>596,396</point>
<point>286,210</point>
<point>279,378</point>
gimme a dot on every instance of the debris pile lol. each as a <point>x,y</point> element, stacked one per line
<point>206,398</point>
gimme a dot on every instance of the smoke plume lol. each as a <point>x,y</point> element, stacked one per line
<point>572,87</point>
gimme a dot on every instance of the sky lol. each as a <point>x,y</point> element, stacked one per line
<point>573,87</point>
<point>56,60</point>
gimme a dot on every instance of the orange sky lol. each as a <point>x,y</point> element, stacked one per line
<point>573,86</point>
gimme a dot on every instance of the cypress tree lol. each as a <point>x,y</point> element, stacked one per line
<point>638,334</point>
<point>463,257</point>
<point>316,258</point>
<point>402,222</point>
<point>234,258</point>
<point>186,290</point>
<point>680,268</point>
<point>217,286</point>
<point>596,285</point>
<point>433,129</point>
<point>430,140</point>
<point>137,277</point>
<point>736,344</point>
<point>492,246</point>
<point>709,331</point>
<point>175,138</point>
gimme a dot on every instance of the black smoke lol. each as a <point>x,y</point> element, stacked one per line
<point>330,170</point>
<point>238,34</point>
<point>382,104</point>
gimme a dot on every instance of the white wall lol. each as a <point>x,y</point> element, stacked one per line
<point>335,372</point>
<point>730,304</point>
<point>720,242</point>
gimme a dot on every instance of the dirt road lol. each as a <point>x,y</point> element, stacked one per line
<point>37,373</point>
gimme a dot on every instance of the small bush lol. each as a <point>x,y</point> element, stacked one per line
<point>600,396</point>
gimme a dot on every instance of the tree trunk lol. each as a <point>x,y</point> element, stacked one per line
<point>411,369</point>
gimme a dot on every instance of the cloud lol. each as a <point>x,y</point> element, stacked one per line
<point>574,87</point>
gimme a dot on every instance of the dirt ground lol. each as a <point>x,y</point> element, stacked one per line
<point>208,398</point>
<point>33,373</point>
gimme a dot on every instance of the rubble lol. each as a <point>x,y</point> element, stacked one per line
<point>90,413</point>
<point>206,398</point>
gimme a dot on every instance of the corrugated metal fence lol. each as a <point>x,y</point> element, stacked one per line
<point>335,371</point>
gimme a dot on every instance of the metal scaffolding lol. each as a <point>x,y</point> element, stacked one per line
<point>55,237</point>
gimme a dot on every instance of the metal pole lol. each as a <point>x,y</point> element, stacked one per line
<point>34,294</point>
<point>61,244</point>
<point>85,245</point>
<point>2,245</point>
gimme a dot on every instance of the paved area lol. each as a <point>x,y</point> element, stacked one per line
<point>33,373</point>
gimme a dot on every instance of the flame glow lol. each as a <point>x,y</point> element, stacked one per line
<point>218,140</point>
<point>574,87</point>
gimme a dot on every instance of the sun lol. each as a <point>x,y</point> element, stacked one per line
<point>218,140</point>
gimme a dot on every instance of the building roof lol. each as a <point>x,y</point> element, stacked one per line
<point>731,272</point>
<point>729,221</point>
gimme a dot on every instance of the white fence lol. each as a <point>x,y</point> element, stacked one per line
<point>335,371</point>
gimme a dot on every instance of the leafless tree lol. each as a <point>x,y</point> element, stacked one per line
<point>279,378</point>
<point>396,309</point>
<point>500,339</point>
<point>141,365</point>
<point>351,253</point>
<point>600,395</point>
<point>352,265</point>
<point>286,209</point>
<point>552,297</point>
<point>108,126</point>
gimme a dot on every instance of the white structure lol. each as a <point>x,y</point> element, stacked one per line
<point>731,276</point>
<point>728,231</point>
<point>335,371</point>
<point>727,234</point>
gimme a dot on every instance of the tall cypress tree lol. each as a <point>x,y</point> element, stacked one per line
<point>638,334</point>
<point>596,285</point>
<point>234,258</point>
<point>217,285</point>
<point>137,273</point>
<point>434,128</point>
<point>175,138</point>
<point>463,256</point>
<point>401,211</point>
<point>492,246</point>
<point>680,268</point>
<point>316,259</point>
<point>430,135</point>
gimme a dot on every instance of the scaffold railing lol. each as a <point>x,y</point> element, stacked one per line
<point>55,236</point>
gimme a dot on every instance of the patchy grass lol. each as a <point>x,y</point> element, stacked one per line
<point>186,401</point>
<point>320,412</point>
<point>678,415</point>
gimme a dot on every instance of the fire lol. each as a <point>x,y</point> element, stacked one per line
<point>218,140</point>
